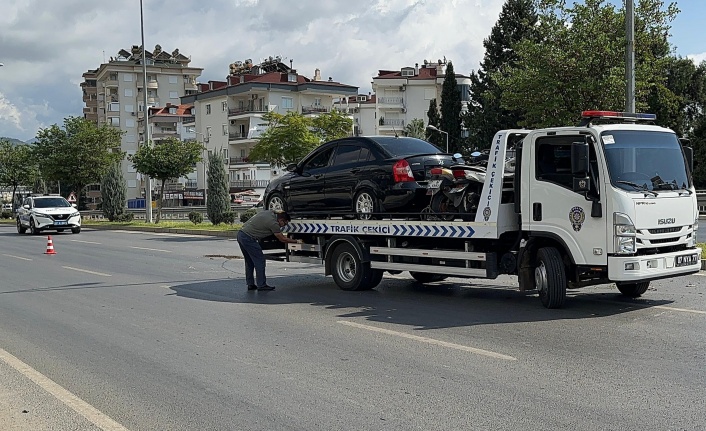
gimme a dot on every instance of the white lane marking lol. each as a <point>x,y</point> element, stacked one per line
<point>98,418</point>
<point>17,257</point>
<point>151,249</point>
<point>683,310</point>
<point>85,242</point>
<point>430,341</point>
<point>86,271</point>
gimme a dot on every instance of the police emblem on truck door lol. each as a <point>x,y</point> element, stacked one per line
<point>577,216</point>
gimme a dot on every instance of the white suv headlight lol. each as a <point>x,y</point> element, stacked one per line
<point>625,242</point>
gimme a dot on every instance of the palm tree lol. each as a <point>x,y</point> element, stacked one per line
<point>415,129</point>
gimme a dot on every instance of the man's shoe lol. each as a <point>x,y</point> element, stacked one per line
<point>266,288</point>
<point>252,287</point>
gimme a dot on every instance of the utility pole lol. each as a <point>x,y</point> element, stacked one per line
<point>146,110</point>
<point>630,55</point>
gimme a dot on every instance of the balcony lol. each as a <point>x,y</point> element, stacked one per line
<point>248,110</point>
<point>251,184</point>
<point>238,160</point>
<point>152,84</point>
<point>188,120</point>
<point>315,110</point>
<point>190,86</point>
<point>395,101</point>
<point>237,136</point>
<point>111,83</point>
<point>164,134</point>
<point>391,122</point>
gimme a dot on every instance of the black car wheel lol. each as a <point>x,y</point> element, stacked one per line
<point>276,203</point>
<point>20,229</point>
<point>76,229</point>
<point>32,228</point>
<point>365,205</point>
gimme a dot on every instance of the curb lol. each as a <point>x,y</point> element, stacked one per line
<point>225,234</point>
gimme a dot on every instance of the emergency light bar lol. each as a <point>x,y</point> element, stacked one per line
<point>618,115</point>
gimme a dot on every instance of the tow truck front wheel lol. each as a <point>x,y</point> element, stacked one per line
<point>350,272</point>
<point>633,290</point>
<point>550,277</point>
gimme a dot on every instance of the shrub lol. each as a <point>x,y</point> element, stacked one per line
<point>124,217</point>
<point>247,215</point>
<point>195,217</point>
<point>228,217</point>
<point>6,214</point>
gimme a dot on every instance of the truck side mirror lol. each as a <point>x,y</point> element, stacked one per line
<point>689,154</point>
<point>579,158</point>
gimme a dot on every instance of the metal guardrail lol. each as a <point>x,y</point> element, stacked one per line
<point>168,214</point>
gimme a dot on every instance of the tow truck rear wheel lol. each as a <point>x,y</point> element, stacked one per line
<point>550,277</point>
<point>425,277</point>
<point>633,290</point>
<point>349,272</point>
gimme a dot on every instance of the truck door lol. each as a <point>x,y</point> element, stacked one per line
<point>557,211</point>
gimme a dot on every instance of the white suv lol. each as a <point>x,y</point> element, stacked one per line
<point>39,213</point>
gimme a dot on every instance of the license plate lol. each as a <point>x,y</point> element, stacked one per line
<point>686,260</point>
<point>434,184</point>
<point>59,223</point>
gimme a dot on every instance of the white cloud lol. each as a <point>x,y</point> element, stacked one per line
<point>697,58</point>
<point>9,113</point>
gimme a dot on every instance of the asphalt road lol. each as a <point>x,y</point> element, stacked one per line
<point>140,331</point>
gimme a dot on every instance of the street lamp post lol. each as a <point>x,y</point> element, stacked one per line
<point>146,110</point>
<point>436,129</point>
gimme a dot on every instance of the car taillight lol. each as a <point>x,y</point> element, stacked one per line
<point>459,173</point>
<point>402,172</point>
<point>436,171</point>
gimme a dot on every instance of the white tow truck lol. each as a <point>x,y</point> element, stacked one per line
<point>609,200</point>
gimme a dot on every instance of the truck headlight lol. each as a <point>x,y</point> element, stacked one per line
<point>625,232</point>
<point>695,234</point>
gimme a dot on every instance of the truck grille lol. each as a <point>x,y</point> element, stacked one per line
<point>664,230</point>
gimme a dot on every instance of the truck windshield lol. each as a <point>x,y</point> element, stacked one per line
<point>645,160</point>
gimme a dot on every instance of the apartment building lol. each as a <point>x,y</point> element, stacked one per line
<point>402,95</point>
<point>119,97</point>
<point>229,113</point>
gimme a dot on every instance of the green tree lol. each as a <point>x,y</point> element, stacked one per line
<point>168,159</point>
<point>577,60</point>
<point>288,139</point>
<point>485,116</point>
<point>434,120</point>
<point>451,109</point>
<point>332,125</point>
<point>415,129</point>
<point>78,153</point>
<point>17,166</point>
<point>113,192</point>
<point>218,198</point>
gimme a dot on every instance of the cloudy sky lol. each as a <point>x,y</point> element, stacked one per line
<point>45,45</point>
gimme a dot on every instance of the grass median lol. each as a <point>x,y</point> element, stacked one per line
<point>185,225</point>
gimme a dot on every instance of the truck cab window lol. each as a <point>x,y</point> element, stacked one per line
<point>554,163</point>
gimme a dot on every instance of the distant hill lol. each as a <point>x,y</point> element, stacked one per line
<point>13,141</point>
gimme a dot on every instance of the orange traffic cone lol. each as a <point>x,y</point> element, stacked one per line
<point>50,246</point>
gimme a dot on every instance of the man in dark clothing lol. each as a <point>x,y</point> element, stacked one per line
<point>261,225</point>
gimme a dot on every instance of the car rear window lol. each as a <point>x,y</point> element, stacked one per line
<point>403,147</point>
<point>51,203</point>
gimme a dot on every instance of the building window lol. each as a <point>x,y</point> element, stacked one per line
<point>287,103</point>
<point>114,121</point>
<point>225,130</point>
<point>173,95</point>
<point>130,122</point>
<point>173,79</point>
<point>225,155</point>
<point>128,92</point>
<point>172,110</point>
<point>208,109</point>
<point>130,139</point>
<point>224,106</point>
<point>129,108</point>
<point>131,184</point>
<point>317,101</point>
<point>208,134</point>
<point>113,76</point>
<point>127,77</point>
<point>114,107</point>
<point>292,77</point>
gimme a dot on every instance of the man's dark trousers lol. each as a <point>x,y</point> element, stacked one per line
<point>254,260</point>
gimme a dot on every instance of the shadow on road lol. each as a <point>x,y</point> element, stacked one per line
<point>406,302</point>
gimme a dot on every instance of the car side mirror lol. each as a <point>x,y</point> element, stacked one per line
<point>291,167</point>
<point>689,154</point>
